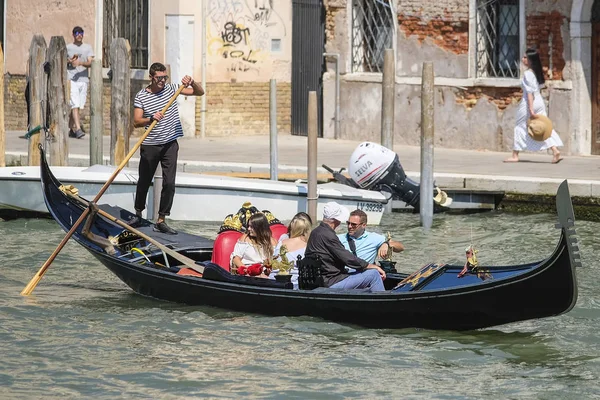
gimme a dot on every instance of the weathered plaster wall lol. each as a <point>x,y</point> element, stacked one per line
<point>49,18</point>
<point>242,37</point>
<point>471,116</point>
<point>435,31</point>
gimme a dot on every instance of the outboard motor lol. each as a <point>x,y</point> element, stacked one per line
<point>373,166</point>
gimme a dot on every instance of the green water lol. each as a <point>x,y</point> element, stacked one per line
<point>84,334</point>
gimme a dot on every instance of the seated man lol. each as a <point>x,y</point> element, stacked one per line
<point>364,244</point>
<point>324,242</point>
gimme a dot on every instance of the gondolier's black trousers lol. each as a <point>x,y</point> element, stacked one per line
<point>150,156</point>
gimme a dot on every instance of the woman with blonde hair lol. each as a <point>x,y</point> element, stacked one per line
<point>299,230</point>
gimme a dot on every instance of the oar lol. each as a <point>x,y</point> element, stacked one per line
<point>36,279</point>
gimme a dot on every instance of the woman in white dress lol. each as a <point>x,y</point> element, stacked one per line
<point>256,246</point>
<point>532,105</point>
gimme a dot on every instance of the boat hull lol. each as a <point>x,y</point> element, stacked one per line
<point>198,197</point>
<point>433,299</point>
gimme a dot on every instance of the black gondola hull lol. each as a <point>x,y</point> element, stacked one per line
<point>535,290</point>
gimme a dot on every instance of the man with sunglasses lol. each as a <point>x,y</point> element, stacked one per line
<point>80,56</point>
<point>161,143</point>
<point>323,242</point>
<point>364,244</point>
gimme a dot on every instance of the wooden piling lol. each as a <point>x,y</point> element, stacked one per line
<point>58,101</point>
<point>2,130</point>
<point>38,94</point>
<point>427,133</point>
<point>96,113</point>
<point>274,163</point>
<point>120,107</point>
<point>313,132</point>
<point>388,99</point>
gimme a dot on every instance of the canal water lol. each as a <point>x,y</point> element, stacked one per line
<point>84,334</point>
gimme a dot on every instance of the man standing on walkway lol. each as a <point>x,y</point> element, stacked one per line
<point>80,56</point>
<point>364,244</point>
<point>161,143</point>
<point>324,242</point>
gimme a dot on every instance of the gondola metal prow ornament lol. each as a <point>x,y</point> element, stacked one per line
<point>38,276</point>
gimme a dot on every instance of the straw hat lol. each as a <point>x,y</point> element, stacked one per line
<point>539,128</point>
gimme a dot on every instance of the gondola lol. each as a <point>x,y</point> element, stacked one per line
<point>434,297</point>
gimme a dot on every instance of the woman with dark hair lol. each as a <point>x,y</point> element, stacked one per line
<point>255,246</point>
<point>532,105</point>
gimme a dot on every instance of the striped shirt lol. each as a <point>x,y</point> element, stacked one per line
<point>169,128</point>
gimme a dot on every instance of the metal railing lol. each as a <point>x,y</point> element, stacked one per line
<point>372,33</point>
<point>498,38</point>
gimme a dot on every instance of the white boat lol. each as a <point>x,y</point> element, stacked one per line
<point>197,197</point>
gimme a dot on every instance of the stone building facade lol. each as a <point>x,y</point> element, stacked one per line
<point>475,46</point>
<point>243,45</point>
<point>477,83</point>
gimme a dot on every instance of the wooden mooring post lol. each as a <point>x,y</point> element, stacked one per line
<point>120,106</point>
<point>38,94</point>
<point>427,133</point>
<point>388,99</point>
<point>2,130</point>
<point>96,112</point>
<point>58,101</point>
<point>313,133</point>
<point>274,163</point>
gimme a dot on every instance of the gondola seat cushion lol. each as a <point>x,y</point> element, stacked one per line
<point>277,230</point>
<point>225,242</point>
<point>223,247</point>
<point>189,272</point>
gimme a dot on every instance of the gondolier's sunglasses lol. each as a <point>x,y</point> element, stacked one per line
<point>352,224</point>
<point>161,78</point>
<point>78,33</point>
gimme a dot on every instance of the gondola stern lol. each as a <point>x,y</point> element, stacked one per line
<point>566,223</point>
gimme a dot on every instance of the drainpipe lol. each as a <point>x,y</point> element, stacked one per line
<point>336,56</point>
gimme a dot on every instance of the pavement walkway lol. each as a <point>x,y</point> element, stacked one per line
<point>471,169</point>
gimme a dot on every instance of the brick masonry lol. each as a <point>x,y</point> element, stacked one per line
<point>544,32</point>
<point>232,108</point>
<point>243,108</point>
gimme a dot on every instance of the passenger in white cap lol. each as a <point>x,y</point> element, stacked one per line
<point>324,242</point>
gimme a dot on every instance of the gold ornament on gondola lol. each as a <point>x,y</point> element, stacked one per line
<point>239,221</point>
<point>284,266</point>
<point>69,189</point>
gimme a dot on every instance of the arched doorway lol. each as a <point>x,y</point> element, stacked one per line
<point>595,77</point>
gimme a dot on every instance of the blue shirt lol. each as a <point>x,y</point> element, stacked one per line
<point>366,245</point>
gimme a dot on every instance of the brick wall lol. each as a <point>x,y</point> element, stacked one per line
<point>232,108</point>
<point>544,32</point>
<point>243,108</point>
<point>445,22</point>
<point>15,108</point>
<point>501,97</point>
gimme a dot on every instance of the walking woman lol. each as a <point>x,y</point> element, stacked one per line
<point>532,105</point>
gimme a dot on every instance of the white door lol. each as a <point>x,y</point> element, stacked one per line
<point>179,44</point>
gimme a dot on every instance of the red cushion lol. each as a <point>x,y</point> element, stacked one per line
<point>277,230</point>
<point>224,244</point>
<point>189,271</point>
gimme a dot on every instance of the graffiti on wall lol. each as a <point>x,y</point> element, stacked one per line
<point>240,33</point>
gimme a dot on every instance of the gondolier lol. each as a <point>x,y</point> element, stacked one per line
<point>161,144</point>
